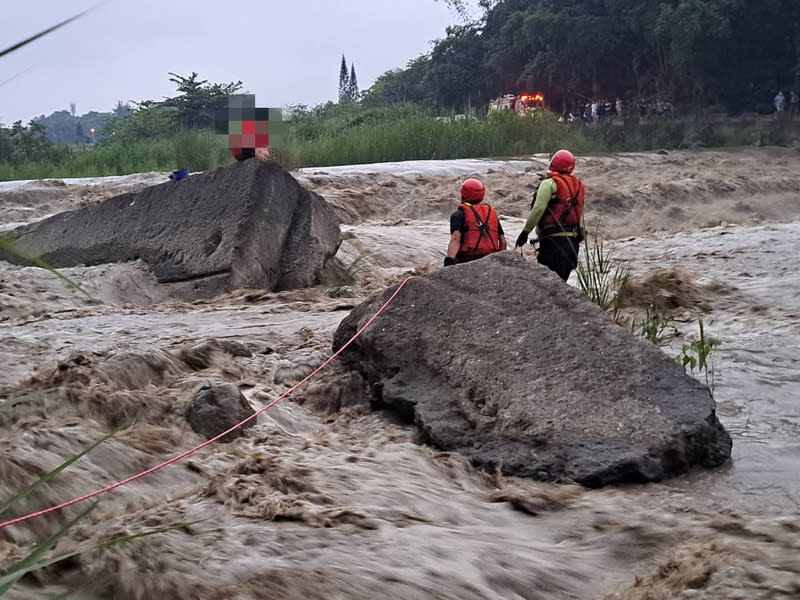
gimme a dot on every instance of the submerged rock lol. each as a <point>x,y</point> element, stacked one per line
<point>248,225</point>
<point>501,361</point>
<point>216,407</point>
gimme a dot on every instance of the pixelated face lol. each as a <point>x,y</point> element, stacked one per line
<point>246,126</point>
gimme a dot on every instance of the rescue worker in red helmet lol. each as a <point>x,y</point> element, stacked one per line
<point>475,230</point>
<point>557,215</point>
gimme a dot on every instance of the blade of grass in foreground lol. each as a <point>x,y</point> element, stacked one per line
<point>30,562</point>
<point>8,246</point>
<point>35,37</point>
<point>48,476</point>
<point>27,565</point>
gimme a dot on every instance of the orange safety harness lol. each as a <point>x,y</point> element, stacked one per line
<point>482,236</point>
<point>565,210</point>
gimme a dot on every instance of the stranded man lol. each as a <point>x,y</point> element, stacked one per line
<point>557,215</point>
<point>475,230</point>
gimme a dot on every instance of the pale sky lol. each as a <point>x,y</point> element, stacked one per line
<point>284,52</point>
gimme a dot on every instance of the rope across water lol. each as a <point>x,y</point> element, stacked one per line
<point>183,455</point>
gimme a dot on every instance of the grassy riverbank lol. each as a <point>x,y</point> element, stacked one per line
<point>340,135</point>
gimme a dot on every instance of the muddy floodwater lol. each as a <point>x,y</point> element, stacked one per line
<point>324,498</point>
<point>755,368</point>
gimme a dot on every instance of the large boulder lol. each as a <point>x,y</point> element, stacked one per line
<point>216,407</point>
<point>245,225</point>
<point>501,361</point>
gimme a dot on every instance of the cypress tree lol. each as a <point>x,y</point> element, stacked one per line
<point>344,82</point>
<point>353,83</point>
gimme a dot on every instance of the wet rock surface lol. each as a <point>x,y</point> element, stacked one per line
<point>502,362</point>
<point>248,225</point>
<point>216,407</point>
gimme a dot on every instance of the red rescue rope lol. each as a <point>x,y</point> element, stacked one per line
<point>214,439</point>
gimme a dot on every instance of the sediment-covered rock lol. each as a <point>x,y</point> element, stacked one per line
<point>248,225</point>
<point>501,361</point>
<point>216,407</point>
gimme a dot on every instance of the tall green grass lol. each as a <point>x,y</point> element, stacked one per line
<point>200,150</point>
<point>419,136</point>
<point>602,278</point>
<point>351,134</point>
<point>119,158</point>
<point>196,150</point>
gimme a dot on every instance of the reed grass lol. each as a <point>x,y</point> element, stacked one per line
<point>605,281</point>
<point>355,135</point>
<point>602,278</point>
<point>419,136</point>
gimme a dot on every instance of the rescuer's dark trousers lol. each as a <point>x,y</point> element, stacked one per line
<point>559,254</point>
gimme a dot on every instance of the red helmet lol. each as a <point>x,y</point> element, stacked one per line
<point>472,190</point>
<point>563,161</point>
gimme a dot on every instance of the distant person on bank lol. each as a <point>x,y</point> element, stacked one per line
<point>475,230</point>
<point>779,101</point>
<point>557,216</point>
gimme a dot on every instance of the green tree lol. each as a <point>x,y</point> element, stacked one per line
<point>455,75</point>
<point>344,82</point>
<point>402,85</point>
<point>199,100</point>
<point>352,83</point>
<point>148,120</point>
<point>122,110</point>
<point>20,144</point>
<point>195,106</point>
<point>735,54</point>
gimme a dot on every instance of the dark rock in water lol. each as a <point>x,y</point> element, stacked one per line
<point>501,361</point>
<point>216,407</point>
<point>248,225</point>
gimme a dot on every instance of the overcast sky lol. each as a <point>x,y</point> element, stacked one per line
<point>285,52</point>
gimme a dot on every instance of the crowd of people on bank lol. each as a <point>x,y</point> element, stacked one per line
<point>600,109</point>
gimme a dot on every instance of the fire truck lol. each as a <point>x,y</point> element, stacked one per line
<point>522,104</point>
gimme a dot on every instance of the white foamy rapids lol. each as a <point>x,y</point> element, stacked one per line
<point>432,168</point>
<point>119,182</point>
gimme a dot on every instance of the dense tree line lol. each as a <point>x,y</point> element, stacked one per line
<point>64,127</point>
<point>20,144</point>
<point>731,54</point>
